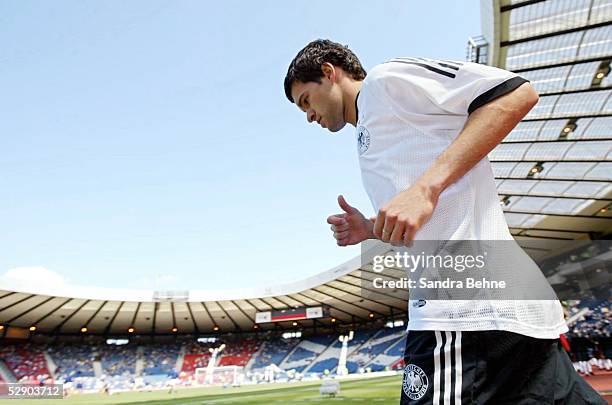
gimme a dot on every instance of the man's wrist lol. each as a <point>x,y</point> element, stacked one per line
<point>430,187</point>
<point>370,226</point>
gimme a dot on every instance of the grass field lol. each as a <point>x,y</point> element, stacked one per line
<point>382,390</point>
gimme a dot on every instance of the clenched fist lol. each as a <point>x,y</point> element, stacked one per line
<point>399,220</point>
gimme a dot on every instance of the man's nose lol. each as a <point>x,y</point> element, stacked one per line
<point>310,116</point>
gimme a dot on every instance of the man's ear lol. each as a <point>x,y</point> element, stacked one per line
<point>329,71</point>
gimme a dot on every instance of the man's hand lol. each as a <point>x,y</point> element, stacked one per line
<point>399,220</point>
<point>350,227</point>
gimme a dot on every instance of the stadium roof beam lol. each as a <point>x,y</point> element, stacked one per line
<point>543,160</point>
<point>251,304</point>
<point>567,117</point>
<point>66,319</point>
<point>550,230</point>
<point>300,301</point>
<point>552,214</point>
<point>563,197</point>
<point>50,313</point>
<point>401,271</point>
<point>214,322</point>
<point>291,301</point>
<point>136,313</point>
<point>363,298</point>
<point>384,296</point>
<point>267,307</point>
<point>210,319</point>
<point>330,306</point>
<point>403,301</point>
<point>17,302</point>
<point>195,324</point>
<point>236,326</point>
<point>348,317</point>
<point>509,7</point>
<point>350,303</point>
<point>566,140</point>
<point>154,321</point>
<point>243,313</point>
<point>585,90</point>
<point>283,302</point>
<point>7,294</point>
<point>110,323</point>
<point>556,33</point>
<point>171,312</point>
<point>561,64</point>
<point>28,310</point>
<point>273,306</point>
<point>551,179</point>
<point>95,314</point>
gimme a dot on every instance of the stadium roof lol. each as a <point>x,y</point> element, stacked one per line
<point>554,170</point>
<point>66,309</point>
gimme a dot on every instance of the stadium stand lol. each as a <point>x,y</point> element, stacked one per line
<point>27,362</point>
<point>328,360</point>
<point>590,336</point>
<point>196,356</point>
<point>160,359</point>
<point>239,353</point>
<point>596,323</point>
<point>376,345</point>
<point>389,356</point>
<point>306,352</point>
<point>273,351</point>
<point>313,356</point>
<point>72,360</point>
<point>118,360</point>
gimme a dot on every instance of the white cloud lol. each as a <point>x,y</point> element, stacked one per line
<point>32,275</point>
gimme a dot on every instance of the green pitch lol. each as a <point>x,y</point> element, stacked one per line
<point>382,390</point>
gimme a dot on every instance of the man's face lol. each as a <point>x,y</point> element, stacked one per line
<point>322,102</point>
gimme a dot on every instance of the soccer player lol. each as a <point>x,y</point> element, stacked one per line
<point>423,130</point>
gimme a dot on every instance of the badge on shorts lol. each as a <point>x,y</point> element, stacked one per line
<point>363,139</point>
<point>419,304</point>
<point>415,382</point>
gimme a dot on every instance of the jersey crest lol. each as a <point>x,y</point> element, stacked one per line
<point>363,139</point>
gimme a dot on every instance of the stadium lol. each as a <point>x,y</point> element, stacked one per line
<point>328,337</point>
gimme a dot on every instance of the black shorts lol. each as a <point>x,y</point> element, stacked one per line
<point>490,367</point>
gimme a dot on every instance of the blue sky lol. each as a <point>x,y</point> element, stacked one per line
<point>149,144</point>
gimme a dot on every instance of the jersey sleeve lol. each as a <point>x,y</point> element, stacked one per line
<point>426,86</point>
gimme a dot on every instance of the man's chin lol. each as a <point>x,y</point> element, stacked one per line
<point>336,128</point>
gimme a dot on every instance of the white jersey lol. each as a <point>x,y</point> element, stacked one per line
<point>409,111</point>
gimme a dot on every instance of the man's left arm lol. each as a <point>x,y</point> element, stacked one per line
<point>399,219</point>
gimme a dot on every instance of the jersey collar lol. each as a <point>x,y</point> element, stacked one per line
<point>356,108</point>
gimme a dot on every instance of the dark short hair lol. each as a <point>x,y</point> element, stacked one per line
<point>306,66</point>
